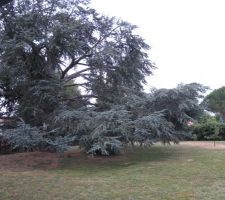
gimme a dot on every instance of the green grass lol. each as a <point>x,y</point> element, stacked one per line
<point>158,173</point>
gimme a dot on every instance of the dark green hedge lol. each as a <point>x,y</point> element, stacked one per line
<point>209,131</point>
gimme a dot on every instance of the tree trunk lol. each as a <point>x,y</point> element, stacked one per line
<point>223,117</point>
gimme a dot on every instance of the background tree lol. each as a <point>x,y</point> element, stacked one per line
<point>215,102</point>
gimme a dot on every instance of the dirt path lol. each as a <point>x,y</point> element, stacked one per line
<point>205,144</point>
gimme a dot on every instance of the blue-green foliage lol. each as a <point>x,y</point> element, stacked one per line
<point>137,119</point>
<point>27,138</point>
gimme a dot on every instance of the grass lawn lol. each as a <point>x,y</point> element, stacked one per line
<point>159,173</point>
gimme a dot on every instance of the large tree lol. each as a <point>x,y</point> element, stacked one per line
<point>47,46</point>
<point>215,101</point>
<point>73,76</point>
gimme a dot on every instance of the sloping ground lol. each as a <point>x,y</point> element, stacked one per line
<point>176,172</point>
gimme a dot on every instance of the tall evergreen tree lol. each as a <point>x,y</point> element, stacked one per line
<point>73,76</point>
<point>47,45</point>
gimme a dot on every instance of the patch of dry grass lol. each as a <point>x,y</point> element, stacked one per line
<point>205,144</point>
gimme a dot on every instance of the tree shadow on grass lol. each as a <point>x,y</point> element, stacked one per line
<point>79,162</point>
<point>131,156</point>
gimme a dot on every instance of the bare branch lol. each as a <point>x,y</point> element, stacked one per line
<point>83,64</point>
<point>77,74</point>
<point>73,63</point>
<point>68,68</point>
<point>75,84</point>
<point>88,96</point>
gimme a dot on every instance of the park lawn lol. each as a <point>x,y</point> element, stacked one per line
<point>158,173</point>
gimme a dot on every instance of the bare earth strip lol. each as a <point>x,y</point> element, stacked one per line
<point>205,144</point>
<point>29,160</point>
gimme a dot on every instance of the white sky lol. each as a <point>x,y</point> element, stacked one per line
<point>187,37</point>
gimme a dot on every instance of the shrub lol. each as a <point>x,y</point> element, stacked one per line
<point>209,131</point>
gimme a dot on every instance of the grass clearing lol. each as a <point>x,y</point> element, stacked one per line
<point>160,173</point>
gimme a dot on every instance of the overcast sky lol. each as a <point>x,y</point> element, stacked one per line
<point>187,37</point>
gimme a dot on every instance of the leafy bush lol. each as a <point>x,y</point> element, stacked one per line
<point>209,131</point>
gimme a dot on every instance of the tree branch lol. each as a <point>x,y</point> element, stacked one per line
<point>73,63</point>
<point>83,64</point>
<point>88,96</point>
<point>86,54</point>
<point>77,74</point>
<point>75,84</point>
